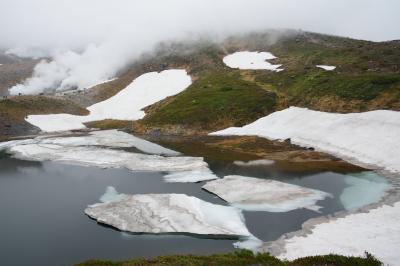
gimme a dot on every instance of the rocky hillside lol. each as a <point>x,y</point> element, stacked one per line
<point>14,70</point>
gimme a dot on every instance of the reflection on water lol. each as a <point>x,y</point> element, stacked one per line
<point>42,220</point>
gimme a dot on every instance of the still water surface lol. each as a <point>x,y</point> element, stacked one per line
<point>42,220</point>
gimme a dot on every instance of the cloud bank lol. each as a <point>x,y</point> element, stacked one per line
<point>89,41</point>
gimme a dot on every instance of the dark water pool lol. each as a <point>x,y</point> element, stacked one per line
<point>42,220</point>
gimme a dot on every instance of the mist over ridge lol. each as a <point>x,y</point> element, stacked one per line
<point>90,41</point>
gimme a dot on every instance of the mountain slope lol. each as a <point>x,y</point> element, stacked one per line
<point>367,77</point>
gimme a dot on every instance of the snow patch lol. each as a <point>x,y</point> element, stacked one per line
<point>371,138</point>
<point>145,90</point>
<point>169,213</point>
<point>376,232</point>
<point>256,194</point>
<point>251,60</point>
<point>327,68</point>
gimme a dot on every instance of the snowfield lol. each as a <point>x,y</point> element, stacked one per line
<point>376,232</point>
<point>327,68</point>
<point>371,138</point>
<point>257,194</point>
<point>167,213</point>
<point>251,60</point>
<point>145,90</point>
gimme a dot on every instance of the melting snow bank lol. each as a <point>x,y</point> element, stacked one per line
<point>370,138</point>
<point>85,150</point>
<point>145,90</point>
<point>327,68</point>
<point>377,232</point>
<point>256,194</point>
<point>251,60</point>
<point>168,213</point>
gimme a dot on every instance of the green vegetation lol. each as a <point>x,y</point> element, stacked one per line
<point>110,124</point>
<point>316,84</point>
<point>367,77</point>
<point>218,99</point>
<point>14,110</point>
<point>240,258</point>
<point>21,106</point>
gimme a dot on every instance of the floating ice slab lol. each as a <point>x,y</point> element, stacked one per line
<point>88,151</point>
<point>194,175</point>
<point>108,138</point>
<point>363,189</point>
<point>111,138</point>
<point>169,213</point>
<point>251,60</point>
<point>256,194</point>
<point>261,162</point>
<point>111,195</point>
<point>377,232</point>
<point>371,138</point>
<point>145,90</point>
<point>107,158</point>
<point>327,68</point>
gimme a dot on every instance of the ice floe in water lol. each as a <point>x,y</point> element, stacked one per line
<point>256,194</point>
<point>250,242</point>
<point>327,68</point>
<point>111,195</point>
<point>377,232</point>
<point>363,189</point>
<point>251,60</point>
<point>169,213</point>
<point>109,158</point>
<point>145,90</point>
<point>371,138</point>
<point>261,162</point>
<point>89,151</point>
<point>194,175</point>
<point>111,138</point>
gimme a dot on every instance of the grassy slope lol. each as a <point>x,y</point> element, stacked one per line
<point>218,99</point>
<point>367,75</point>
<point>240,258</point>
<point>367,78</point>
